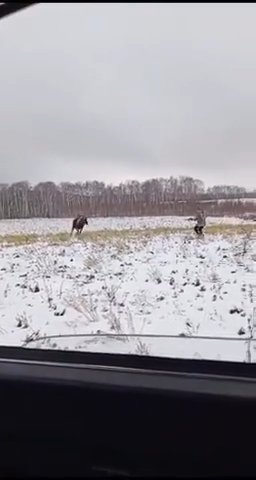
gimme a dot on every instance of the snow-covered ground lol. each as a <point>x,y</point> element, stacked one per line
<point>175,285</point>
<point>41,226</point>
<point>235,200</point>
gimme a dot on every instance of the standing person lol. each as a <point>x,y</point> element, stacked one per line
<point>200,222</point>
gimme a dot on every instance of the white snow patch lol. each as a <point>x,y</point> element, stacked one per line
<point>42,226</point>
<point>171,285</point>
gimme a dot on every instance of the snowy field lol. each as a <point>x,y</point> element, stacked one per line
<point>41,226</point>
<point>157,286</point>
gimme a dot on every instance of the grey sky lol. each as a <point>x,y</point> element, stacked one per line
<point>118,91</point>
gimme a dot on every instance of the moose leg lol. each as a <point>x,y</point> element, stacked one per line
<point>73,227</point>
<point>79,230</point>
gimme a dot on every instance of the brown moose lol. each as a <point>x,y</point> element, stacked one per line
<point>78,224</point>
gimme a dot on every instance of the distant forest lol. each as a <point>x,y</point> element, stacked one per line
<point>157,196</point>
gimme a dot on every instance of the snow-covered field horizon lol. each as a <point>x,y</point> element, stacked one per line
<point>41,226</point>
<point>157,286</point>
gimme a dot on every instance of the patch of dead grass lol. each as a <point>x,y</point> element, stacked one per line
<point>121,238</point>
<point>18,239</point>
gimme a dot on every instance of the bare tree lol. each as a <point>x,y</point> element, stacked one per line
<point>156,196</point>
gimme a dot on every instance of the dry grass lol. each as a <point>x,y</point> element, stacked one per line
<point>18,239</point>
<point>226,229</point>
<point>121,237</point>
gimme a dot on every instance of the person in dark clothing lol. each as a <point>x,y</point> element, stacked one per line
<point>200,222</point>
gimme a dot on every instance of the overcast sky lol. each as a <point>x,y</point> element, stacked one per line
<point>118,91</point>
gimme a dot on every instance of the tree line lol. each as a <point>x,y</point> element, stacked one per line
<point>156,196</point>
